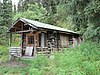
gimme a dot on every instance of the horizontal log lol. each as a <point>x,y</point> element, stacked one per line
<point>23,31</point>
<point>14,52</point>
<point>15,47</point>
<point>14,55</point>
<point>41,48</point>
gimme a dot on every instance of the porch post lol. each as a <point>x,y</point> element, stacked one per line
<point>11,57</point>
<point>22,37</point>
<point>57,40</point>
<point>34,44</point>
<point>42,40</point>
<point>10,39</point>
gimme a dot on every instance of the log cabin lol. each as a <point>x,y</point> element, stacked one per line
<point>37,37</point>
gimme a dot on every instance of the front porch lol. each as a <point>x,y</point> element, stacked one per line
<point>17,52</point>
<point>33,42</point>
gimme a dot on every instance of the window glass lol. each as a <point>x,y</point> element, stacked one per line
<point>30,40</point>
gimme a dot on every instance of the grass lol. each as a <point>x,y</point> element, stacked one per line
<point>4,53</point>
<point>83,60</point>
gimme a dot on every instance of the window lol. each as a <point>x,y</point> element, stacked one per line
<point>30,39</point>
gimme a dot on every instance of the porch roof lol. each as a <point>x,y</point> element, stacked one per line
<point>43,25</point>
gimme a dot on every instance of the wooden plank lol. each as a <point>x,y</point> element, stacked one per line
<point>23,31</point>
<point>15,51</point>
<point>15,47</point>
<point>28,51</point>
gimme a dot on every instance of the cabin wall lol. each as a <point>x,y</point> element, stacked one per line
<point>43,40</point>
<point>53,39</point>
<point>64,40</point>
<point>68,40</point>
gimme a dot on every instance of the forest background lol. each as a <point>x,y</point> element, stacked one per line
<point>82,16</point>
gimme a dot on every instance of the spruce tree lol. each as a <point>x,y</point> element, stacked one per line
<point>15,8</point>
<point>1,13</point>
<point>7,12</point>
<point>5,19</point>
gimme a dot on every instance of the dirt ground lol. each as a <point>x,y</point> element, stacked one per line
<point>15,63</point>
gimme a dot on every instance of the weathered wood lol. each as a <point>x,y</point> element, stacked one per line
<point>35,44</point>
<point>29,35</point>
<point>28,51</point>
<point>42,40</point>
<point>10,40</point>
<point>57,40</point>
<point>23,31</point>
<point>15,51</point>
<point>16,28</point>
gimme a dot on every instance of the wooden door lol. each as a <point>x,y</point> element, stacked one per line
<point>30,40</point>
<point>29,44</point>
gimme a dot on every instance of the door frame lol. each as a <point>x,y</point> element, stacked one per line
<point>30,34</point>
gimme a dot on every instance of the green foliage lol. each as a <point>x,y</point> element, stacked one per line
<point>5,20</point>
<point>4,53</point>
<point>3,35</point>
<point>83,60</point>
<point>93,33</point>
<point>16,40</point>
<point>78,15</point>
<point>63,18</point>
<point>6,13</point>
<point>1,20</point>
<point>33,12</point>
<point>93,13</point>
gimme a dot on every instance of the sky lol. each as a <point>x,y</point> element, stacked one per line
<point>15,1</point>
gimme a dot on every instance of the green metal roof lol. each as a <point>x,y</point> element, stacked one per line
<point>46,26</point>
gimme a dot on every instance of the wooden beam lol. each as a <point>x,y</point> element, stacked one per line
<point>10,39</point>
<point>42,40</point>
<point>34,44</point>
<point>57,40</point>
<point>22,37</point>
<point>23,31</point>
<point>16,28</point>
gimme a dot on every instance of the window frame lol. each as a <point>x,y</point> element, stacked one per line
<point>27,39</point>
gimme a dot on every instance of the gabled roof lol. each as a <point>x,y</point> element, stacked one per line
<point>46,26</point>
